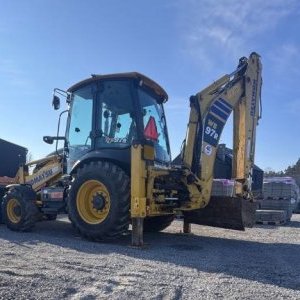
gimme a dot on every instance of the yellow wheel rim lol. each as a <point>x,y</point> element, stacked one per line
<point>93,202</point>
<point>12,208</point>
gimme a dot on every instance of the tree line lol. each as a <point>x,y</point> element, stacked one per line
<point>291,171</point>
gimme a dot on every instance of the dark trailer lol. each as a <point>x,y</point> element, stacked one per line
<point>223,169</point>
<point>11,156</point>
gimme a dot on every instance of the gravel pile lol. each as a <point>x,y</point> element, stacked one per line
<point>53,262</point>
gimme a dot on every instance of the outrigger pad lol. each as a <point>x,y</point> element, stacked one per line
<point>225,212</point>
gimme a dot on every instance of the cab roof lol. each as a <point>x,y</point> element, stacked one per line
<point>130,75</point>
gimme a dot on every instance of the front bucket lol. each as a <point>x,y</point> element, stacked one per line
<point>225,212</point>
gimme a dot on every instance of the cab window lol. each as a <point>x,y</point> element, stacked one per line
<point>154,125</point>
<point>115,118</point>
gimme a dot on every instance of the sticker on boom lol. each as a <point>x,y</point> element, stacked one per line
<point>212,130</point>
<point>213,125</point>
<point>221,108</point>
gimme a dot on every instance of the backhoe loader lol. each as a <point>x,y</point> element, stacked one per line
<point>115,167</point>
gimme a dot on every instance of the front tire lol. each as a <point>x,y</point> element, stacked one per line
<point>98,201</point>
<point>19,210</point>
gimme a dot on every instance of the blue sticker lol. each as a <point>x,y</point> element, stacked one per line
<point>221,108</point>
<point>219,112</point>
<point>213,126</point>
<point>212,130</point>
<point>223,105</point>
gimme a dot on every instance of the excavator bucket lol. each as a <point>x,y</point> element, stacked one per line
<point>225,212</point>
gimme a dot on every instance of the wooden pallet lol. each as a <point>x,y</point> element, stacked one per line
<point>281,222</point>
<point>278,198</point>
<point>271,217</point>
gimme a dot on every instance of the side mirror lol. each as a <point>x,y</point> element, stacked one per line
<point>48,139</point>
<point>56,102</point>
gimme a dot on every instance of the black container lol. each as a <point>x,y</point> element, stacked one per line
<point>11,157</point>
<point>223,168</point>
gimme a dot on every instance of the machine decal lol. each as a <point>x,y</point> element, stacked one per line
<point>110,140</point>
<point>253,98</point>
<point>208,150</point>
<point>223,105</point>
<point>40,177</point>
<point>213,126</point>
<point>221,108</point>
<point>36,180</point>
<point>212,130</point>
<point>218,112</point>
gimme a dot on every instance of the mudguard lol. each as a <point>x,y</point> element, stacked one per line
<point>225,212</point>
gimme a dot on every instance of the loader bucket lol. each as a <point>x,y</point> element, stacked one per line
<point>225,212</point>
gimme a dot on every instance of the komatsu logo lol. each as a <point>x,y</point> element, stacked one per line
<point>253,98</point>
<point>39,178</point>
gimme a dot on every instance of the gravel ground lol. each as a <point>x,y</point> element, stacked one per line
<point>53,262</point>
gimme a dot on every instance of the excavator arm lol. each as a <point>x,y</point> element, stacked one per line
<point>238,92</point>
<point>158,191</point>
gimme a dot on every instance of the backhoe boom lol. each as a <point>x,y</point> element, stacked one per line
<point>238,92</point>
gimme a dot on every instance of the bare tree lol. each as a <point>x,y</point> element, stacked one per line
<point>29,157</point>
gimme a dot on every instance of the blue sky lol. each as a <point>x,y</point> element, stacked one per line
<point>183,45</point>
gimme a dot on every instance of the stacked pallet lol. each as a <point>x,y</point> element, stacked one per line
<point>282,188</point>
<point>223,187</point>
<point>280,198</point>
<point>282,204</point>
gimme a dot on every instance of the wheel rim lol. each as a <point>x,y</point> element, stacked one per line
<point>93,202</point>
<point>14,210</point>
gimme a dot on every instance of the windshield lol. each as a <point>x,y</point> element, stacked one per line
<point>155,128</point>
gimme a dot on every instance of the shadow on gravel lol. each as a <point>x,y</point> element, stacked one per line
<point>293,224</point>
<point>267,226</point>
<point>276,264</point>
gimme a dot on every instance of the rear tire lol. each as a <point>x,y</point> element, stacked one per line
<point>98,200</point>
<point>1,213</point>
<point>19,210</point>
<point>159,223</point>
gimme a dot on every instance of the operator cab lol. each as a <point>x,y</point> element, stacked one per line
<point>109,112</point>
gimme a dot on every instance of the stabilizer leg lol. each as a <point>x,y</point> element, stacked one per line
<point>187,228</point>
<point>137,236</point>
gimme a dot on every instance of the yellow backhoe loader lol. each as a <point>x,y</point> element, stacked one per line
<point>115,167</point>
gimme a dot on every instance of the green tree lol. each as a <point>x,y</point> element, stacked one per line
<point>293,170</point>
<point>269,172</point>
